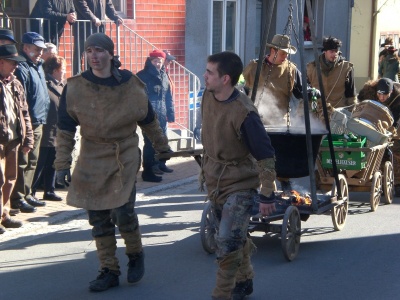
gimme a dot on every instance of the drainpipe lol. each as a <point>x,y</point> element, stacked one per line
<point>372,42</point>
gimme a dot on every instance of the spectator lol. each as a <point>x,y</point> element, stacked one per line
<point>94,11</point>
<point>337,77</point>
<point>232,169</point>
<point>104,177</point>
<point>390,65</point>
<point>160,96</point>
<point>383,50</point>
<point>56,13</point>
<point>168,60</point>
<point>54,68</point>
<point>49,51</point>
<point>15,129</point>
<point>387,92</point>
<point>7,37</point>
<point>30,74</point>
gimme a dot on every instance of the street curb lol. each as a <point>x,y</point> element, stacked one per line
<point>30,230</point>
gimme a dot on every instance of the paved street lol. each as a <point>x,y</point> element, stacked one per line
<point>57,261</point>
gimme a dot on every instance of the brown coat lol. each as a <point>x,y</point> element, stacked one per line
<point>333,81</point>
<point>25,133</point>
<point>227,163</point>
<point>105,173</point>
<point>274,89</point>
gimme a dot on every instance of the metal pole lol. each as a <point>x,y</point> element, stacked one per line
<point>323,99</point>
<point>265,33</point>
<point>300,16</point>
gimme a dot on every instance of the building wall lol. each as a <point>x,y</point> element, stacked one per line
<point>363,42</point>
<point>162,23</point>
<point>197,42</point>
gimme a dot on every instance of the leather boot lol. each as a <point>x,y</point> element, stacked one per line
<point>106,248</point>
<point>107,279</point>
<point>135,267</point>
<point>134,251</point>
<point>226,274</point>
<point>148,175</point>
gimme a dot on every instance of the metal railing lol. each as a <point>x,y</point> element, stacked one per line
<point>133,50</point>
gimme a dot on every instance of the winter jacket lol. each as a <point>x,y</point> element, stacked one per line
<point>33,80</point>
<point>389,67</point>
<point>56,12</point>
<point>159,91</point>
<point>24,127</point>
<point>50,129</point>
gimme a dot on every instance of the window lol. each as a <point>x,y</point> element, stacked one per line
<point>224,26</point>
<point>120,7</point>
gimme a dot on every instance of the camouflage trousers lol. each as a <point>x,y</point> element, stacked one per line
<point>232,220</point>
<point>234,248</point>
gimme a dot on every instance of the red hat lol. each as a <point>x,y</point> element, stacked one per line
<point>157,53</point>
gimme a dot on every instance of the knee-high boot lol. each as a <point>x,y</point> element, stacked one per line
<point>226,274</point>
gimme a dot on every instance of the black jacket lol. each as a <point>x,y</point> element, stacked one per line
<point>56,12</point>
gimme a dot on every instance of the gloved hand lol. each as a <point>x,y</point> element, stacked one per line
<point>63,177</point>
<point>197,133</point>
<point>163,160</point>
<point>313,93</point>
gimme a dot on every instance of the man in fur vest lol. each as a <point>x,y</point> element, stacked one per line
<point>337,77</point>
<point>107,104</point>
<point>387,92</point>
<point>237,156</point>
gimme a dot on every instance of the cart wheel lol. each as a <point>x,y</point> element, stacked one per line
<point>376,191</point>
<point>388,182</point>
<point>208,229</point>
<point>291,232</point>
<point>339,212</point>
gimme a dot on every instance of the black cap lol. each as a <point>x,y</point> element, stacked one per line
<point>10,52</point>
<point>7,34</point>
<point>385,86</point>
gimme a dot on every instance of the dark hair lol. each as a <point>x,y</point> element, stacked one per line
<point>53,63</point>
<point>331,43</point>
<point>229,63</point>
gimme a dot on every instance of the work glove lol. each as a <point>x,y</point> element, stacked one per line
<point>163,160</point>
<point>63,177</point>
<point>197,133</point>
<point>313,93</point>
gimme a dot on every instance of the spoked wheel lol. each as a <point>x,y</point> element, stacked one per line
<point>388,182</point>
<point>376,191</point>
<point>208,228</point>
<point>339,212</point>
<point>291,232</point>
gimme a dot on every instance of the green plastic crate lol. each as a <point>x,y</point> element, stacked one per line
<point>338,140</point>
<point>346,160</point>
